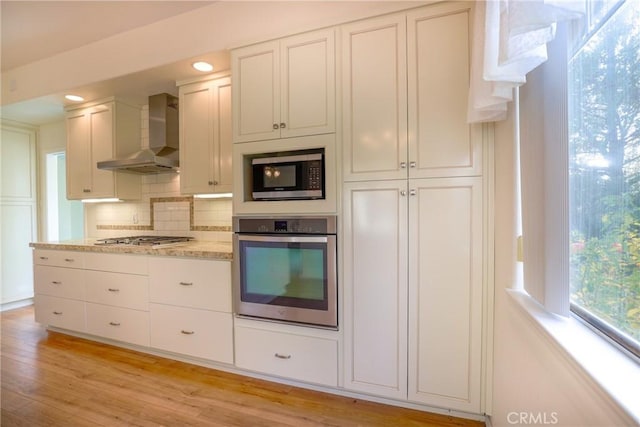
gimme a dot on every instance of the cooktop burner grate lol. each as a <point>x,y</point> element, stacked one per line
<point>152,241</point>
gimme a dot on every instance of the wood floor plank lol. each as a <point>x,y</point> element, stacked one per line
<point>53,379</point>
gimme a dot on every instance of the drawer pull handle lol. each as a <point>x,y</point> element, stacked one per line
<point>114,323</point>
<point>113,290</point>
<point>282,356</point>
<point>187,332</point>
<point>69,259</point>
<point>186,283</point>
<point>44,258</point>
<point>55,282</point>
<point>57,313</point>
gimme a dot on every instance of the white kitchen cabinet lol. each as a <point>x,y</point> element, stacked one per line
<point>196,283</point>
<point>18,210</point>
<point>413,290</point>
<point>301,354</point>
<point>374,98</point>
<point>101,131</point>
<point>117,295</point>
<point>54,258</point>
<point>204,334</point>
<point>191,307</point>
<point>446,292</point>
<point>59,289</point>
<point>118,323</point>
<point>405,86</point>
<point>117,289</point>
<point>60,312</point>
<point>284,88</point>
<point>375,287</point>
<point>59,282</point>
<point>205,137</point>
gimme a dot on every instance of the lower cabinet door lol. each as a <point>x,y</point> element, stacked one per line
<point>198,333</point>
<point>117,323</point>
<point>60,312</point>
<point>287,355</point>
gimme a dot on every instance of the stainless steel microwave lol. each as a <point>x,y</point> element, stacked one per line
<point>288,177</point>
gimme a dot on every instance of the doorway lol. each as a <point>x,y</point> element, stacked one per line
<point>65,218</point>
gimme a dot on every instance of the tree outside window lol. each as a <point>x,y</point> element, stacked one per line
<point>604,167</point>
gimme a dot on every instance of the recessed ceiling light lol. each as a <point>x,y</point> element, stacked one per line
<point>75,98</point>
<point>202,66</point>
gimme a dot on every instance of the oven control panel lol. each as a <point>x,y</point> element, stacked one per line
<point>292,225</point>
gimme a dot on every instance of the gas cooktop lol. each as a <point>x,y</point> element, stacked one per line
<point>148,241</point>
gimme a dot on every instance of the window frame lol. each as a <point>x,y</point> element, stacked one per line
<point>579,35</point>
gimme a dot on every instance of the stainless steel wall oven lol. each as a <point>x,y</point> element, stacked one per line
<point>285,269</point>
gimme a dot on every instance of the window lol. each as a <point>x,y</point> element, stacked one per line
<point>604,170</point>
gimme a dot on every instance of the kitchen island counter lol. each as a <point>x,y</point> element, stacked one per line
<point>192,249</point>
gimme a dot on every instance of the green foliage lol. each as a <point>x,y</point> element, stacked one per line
<point>604,136</point>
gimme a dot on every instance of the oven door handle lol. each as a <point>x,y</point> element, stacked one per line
<point>285,239</point>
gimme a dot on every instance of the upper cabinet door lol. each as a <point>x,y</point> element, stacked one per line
<point>284,88</point>
<point>441,142</point>
<point>374,100</point>
<point>78,156</point>
<point>256,92</point>
<point>101,124</point>
<point>308,84</point>
<point>205,137</point>
<point>195,138</point>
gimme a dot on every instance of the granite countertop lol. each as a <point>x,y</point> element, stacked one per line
<point>193,249</point>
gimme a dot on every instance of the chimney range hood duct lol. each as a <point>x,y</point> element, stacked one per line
<point>162,154</point>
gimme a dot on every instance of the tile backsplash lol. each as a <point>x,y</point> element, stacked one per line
<point>162,210</point>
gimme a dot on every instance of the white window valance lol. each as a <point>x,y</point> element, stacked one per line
<point>510,39</point>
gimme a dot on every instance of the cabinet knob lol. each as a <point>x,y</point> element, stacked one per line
<point>412,164</point>
<point>114,323</point>
<point>403,193</point>
<point>55,282</point>
<point>186,283</point>
<point>275,126</point>
<point>113,290</point>
<point>86,190</point>
<point>57,313</point>
<point>69,259</point>
<point>403,165</point>
<point>412,192</point>
<point>44,258</point>
<point>282,125</point>
<point>211,182</point>
<point>187,332</point>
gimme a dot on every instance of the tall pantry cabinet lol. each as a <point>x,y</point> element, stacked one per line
<point>414,203</point>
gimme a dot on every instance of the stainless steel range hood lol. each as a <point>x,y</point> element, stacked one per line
<point>162,154</point>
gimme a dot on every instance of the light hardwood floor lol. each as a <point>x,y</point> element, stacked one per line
<point>51,379</point>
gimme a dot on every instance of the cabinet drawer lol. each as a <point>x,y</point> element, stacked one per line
<point>59,282</point>
<point>204,284</point>
<point>118,289</point>
<point>60,312</point>
<point>129,263</point>
<point>287,355</point>
<point>118,323</point>
<point>198,333</point>
<point>70,259</point>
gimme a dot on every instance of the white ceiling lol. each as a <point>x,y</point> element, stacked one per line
<point>34,30</point>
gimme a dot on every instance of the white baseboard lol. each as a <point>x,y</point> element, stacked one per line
<point>16,304</point>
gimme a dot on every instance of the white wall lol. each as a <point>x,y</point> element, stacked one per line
<point>222,25</point>
<point>531,375</point>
